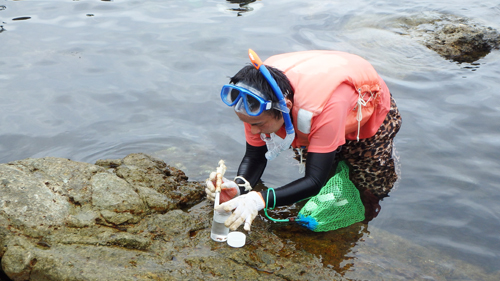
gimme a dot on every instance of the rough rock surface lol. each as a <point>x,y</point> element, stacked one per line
<point>137,218</point>
<point>453,37</point>
<point>129,219</point>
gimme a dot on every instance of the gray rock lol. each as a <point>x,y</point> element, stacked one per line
<point>30,202</point>
<point>124,219</point>
<point>116,200</point>
<point>455,38</point>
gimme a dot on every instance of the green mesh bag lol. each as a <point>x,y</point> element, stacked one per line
<point>337,205</point>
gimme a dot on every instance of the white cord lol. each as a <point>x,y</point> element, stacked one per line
<point>302,164</point>
<point>246,185</point>
<point>361,102</point>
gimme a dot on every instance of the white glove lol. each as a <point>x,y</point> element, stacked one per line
<point>245,209</point>
<point>228,189</point>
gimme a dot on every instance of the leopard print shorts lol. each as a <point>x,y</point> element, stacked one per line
<point>372,161</point>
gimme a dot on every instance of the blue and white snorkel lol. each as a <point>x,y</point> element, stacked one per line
<point>274,148</point>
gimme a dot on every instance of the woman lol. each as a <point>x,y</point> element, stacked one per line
<point>328,106</point>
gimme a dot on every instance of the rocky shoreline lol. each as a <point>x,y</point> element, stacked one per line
<point>137,218</point>
<point>134,218</point>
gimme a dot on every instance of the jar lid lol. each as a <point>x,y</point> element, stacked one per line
<point>236,239</point>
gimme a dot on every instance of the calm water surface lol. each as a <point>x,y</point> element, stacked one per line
<point>88,80</point>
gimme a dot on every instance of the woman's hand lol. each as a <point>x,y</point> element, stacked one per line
<point>245,209</point>
<point>229,189</point>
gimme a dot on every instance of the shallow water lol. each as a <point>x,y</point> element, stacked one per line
<point>88,80</point>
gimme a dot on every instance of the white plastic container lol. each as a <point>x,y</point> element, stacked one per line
<point>236,239</point>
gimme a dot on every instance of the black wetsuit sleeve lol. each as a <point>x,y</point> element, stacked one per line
<point>252,165</point>
<point>318,166</point>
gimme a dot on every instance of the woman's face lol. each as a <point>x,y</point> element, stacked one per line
<point>262,124</point>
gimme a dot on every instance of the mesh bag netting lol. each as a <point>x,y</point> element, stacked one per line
<point>337,205</point>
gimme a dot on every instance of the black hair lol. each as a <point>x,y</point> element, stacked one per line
<point>252,77</point>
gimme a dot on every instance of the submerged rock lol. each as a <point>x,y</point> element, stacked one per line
<point>453,37</point>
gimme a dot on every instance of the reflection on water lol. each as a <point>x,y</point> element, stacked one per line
<point>243,6</point>
<point>21,18</point>
<point>333,248</point>
<point>2,7</point>
<point>360,252</point>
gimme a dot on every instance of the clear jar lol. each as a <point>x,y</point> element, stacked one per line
<point>219,230</point>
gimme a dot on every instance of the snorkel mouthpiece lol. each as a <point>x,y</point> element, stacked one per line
<point>274,149</point>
